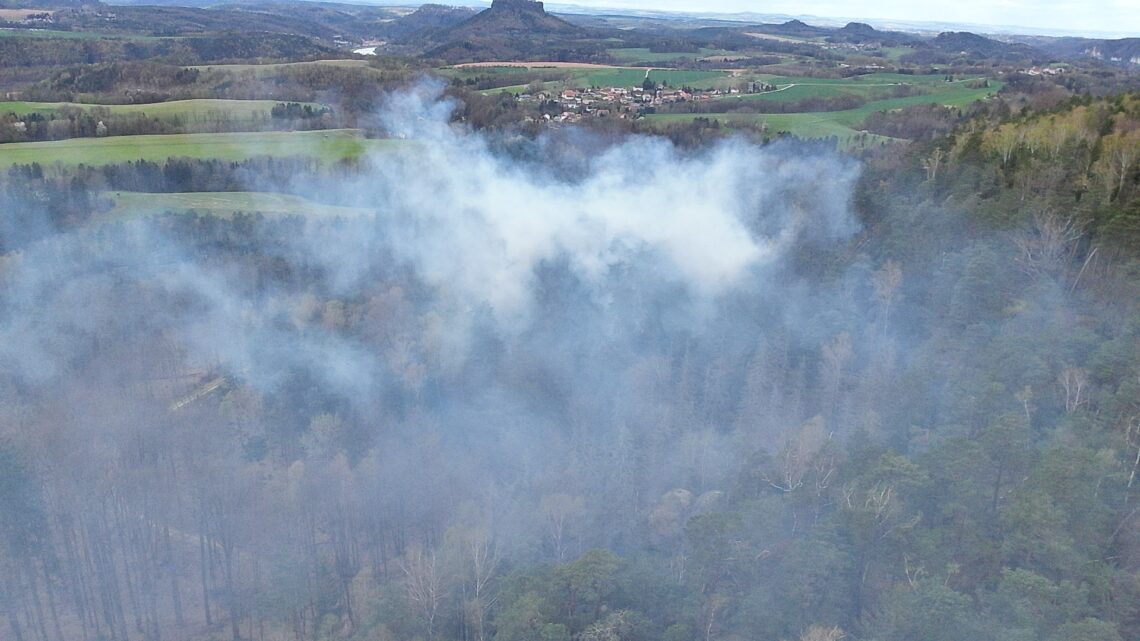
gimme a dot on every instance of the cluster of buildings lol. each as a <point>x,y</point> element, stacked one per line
<point>571,105</point>
<point>1043,71</point>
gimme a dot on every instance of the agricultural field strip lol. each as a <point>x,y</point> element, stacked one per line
<point>204,107</point>
<point>842,124</point>
<point>850,88</point>
<point>326,145</point>
<point>274,67</point>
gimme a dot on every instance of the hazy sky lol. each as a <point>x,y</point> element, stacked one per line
<point>1120,17</point>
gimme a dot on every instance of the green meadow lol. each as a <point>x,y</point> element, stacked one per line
<point>326,146</point>
<point>841,124</point>
<point>193,110</point>
<point>636,54</point>
<point>273,69</point>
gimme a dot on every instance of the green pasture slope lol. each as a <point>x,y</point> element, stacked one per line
<point>199,110</point>
<point>844,125</point>
<point>269,70</point>
<point>610,77</point>
<point>327,146</point>
<point>635,54</point>
<point>681,78</point>
<point>801,125</point>
<point>222,204</point>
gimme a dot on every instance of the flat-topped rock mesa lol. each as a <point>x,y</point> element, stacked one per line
<point>507,16</point>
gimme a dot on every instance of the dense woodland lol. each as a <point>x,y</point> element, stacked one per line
<point>915,417</point>
<point>929,431</point>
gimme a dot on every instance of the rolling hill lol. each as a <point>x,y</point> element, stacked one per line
<point>515,29</point>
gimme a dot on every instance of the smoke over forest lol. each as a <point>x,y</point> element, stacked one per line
<point>560,389</point>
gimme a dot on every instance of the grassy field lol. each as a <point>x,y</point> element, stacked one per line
<point>516,89</point>
<point>696,79</point>
<point>894,53</point>
<point>854,81</point>
<point>844,125</point>
<point>957,93</point>
<point>803,125</point>
<point>792,93</point>
<point>69,35</point>
<point>793,89</point>
<point>613,77</point>
<point>632,54</point>
<point>326,146</point>
<point>273,69</point>
<point>192,110</point>
<point>222,204</point>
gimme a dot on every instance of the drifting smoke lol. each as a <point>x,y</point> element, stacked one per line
<point>478,226</point>
<point>495,331</point>
<point>478,229</point>
<point>488,335</point>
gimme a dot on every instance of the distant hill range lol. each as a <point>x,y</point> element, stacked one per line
<point>793,29</point>
<point>513,18</point>
<point>523,30</point>
<point>44,4</point>
<point>971,44</point>
<point>428,19</point>
<point>1125,51</point>
<point>860,33</point>
<point>514,29</point>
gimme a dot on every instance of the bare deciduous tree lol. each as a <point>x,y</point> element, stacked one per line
<point>423,583</point>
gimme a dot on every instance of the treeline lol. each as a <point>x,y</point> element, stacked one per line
<point>191,50</point>
<point>351,91</point>
<point>79,122</point>
<point>324,22</point>
<point>37,202</point>
<point>1074,165</point>
<point>917,122</point>
<point>521,77</point>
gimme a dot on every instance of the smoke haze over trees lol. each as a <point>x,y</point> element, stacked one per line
<point>576,388</point>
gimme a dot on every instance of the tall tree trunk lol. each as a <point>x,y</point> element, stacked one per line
<point>172,568</point>
<point>50,590</point>
<point>205,573</point>
<point>231,593</point>
<point>125,547</point>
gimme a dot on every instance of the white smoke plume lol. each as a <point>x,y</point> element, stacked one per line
<point>477,224</point>
<point>646,230</point>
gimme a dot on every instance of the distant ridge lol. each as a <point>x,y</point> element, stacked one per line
<point>507,17</point>
<point>793,28</point>
<point>973,44</point>
<point>427,19</point>
<point>1123,51</point>
<point>513,29</point>
<point>862,33</point>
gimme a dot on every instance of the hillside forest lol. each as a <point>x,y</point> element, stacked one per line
<point>298,344</point>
